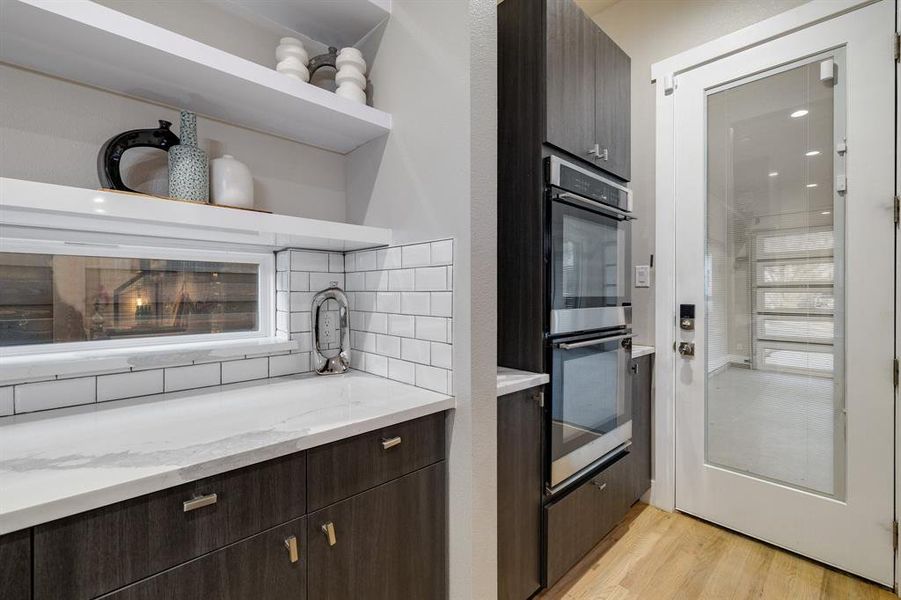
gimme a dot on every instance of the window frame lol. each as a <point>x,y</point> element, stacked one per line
<point>265,261</point>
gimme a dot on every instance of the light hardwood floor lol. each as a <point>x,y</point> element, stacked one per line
<point>655,555</point>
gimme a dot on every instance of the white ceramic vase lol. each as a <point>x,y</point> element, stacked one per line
<point>292,59</point>
<point>351,75</point>
<point>231,183</point>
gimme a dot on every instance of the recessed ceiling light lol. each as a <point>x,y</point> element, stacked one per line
<point>826,212</point>
<point>812,153</point>
<point>811,185</point>
<point>99,210</point>
<point>774,173</point>
<point>798,113</point>
<point>99,200</point>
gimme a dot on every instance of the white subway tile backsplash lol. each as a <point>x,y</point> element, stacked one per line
<point>245,370</point>
<point>388,345</point>
<point>401,281</point>
<point>282,301</point>
<point>45,395</point>
<point>289,364</point>
<point>300,322</point>
<point>283,281</point>
<point>365,261</point>
<point>415,350</point>
<point>350,262</point>
<point>304,341</point>
<point>365,341</point>
<point>442,304</point>
<point>7,406</point>
<point>366,321</point>
<point>442,355</point>
<point>431,328</point>
<point>389,258</point>
<point>416,255</point>
<point>300,282</point>
<point>364,301</point>
<point>402,371</point>
<point>196,376</point>
<point>377,365</point>
<point>309,261</point>
<point>402,325</point>
<point>415,303</point>
<point>283,260</point>
<point>431,279</point>
<point>355,282</point>
<point>388,302</point>
<point>129,385</point>
<point>336,263</point>
<point>283,321</point>
<point>376,280</point>
<point>321,281</point>
<point>431,378</point>
<point>443,252</point>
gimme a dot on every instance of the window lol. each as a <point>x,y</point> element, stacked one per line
<point>92,297</point>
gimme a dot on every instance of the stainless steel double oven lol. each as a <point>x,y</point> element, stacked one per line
<point>589,329</point>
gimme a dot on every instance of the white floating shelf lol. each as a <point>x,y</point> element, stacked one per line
<point>334,23</point>
<point>90,43</point>
<point>46,207</point>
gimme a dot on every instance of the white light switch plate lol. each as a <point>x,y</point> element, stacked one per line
<point>642,276</point>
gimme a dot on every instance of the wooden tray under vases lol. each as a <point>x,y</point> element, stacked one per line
<point>168,199</point>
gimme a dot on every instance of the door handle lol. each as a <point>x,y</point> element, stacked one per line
<point>594,151</point>
<point>329,530</point>
<point>687,348</point>
<point>199,502</point>
<point>391,442</point>
<point>603,155</point>
<point>574,345</point>
<point>291,545</point>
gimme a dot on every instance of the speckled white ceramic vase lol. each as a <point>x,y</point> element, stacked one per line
<point>188,165</point>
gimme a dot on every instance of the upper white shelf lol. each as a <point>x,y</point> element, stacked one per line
<point>90,43</point>
<point>57,207</point>
<point>334,23</point>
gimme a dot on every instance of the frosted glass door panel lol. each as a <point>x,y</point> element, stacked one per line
<point>773,280</point>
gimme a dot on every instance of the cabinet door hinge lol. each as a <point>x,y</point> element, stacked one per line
<point>897,210</point>
<point>897,47</point>
<point>895,535</point>
<point>541,399</point>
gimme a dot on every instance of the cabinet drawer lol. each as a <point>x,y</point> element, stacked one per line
<point>387,543</point>
<point>350,466</point>
<point>258,567</point>
<point>577,522</point>
<point>96,552</point>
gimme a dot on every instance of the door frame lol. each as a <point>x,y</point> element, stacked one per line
<point>664,75</point>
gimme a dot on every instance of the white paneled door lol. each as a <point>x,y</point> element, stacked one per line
<point>784,242</point>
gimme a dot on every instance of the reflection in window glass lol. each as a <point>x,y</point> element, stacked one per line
<point>50,299</point>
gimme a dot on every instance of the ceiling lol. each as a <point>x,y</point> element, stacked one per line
<point>593,7</point>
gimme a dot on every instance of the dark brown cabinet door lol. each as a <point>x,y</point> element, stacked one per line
<point>15,565</point>
<point>518,495</point>
<point>261,566</point>
<point>570,58</point>
<point>641,426</point>
<point>612,106</point>
<point>387,543</point>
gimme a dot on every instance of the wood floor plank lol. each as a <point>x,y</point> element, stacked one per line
<point>655,555</point>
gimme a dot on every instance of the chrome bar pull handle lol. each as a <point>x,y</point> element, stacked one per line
<point>291,545</point>
<point>391,442</point>
<point>329,530</point>
<point>199,502</point>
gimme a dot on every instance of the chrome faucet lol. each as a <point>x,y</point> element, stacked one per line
<point>331,331</point>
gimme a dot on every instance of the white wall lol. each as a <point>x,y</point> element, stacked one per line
<point>434,176</point>
<point>649,31</point>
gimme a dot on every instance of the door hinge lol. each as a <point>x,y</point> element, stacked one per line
<point>897,47</point>
<point>897,210</point>
<point>895,535</point>
<point>541,399</point>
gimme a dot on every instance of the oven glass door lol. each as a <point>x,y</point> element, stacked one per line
<point>590,260</point>
<point>591,402</point>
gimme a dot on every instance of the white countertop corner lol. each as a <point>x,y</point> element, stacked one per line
<point>513,380</point>
<point>64,462</point>
<point>638,350</point>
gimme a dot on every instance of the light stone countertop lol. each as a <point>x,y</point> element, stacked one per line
<point>64,462</point>
<point>638,350</point>
<point>513,380</point>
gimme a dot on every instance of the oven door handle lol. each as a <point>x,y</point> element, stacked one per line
<point>594,204</point>
<point>574,345</point>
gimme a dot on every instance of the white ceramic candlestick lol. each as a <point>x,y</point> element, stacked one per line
<point>292,59</point>
<point>351,76</point>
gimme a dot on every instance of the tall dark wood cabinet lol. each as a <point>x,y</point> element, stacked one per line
<point>15,565</point>
<point>519,482</point>
<point>642,368</point>
<point>563,89</point>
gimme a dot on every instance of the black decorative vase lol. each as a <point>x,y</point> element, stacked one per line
<point>110,156</point>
